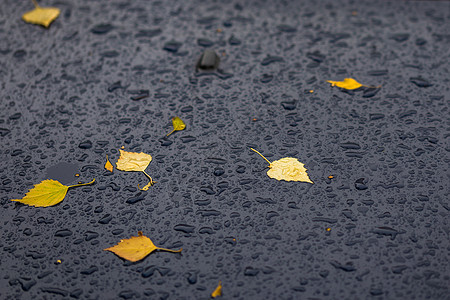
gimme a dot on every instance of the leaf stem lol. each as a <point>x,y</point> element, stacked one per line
<point>151,180</point>
<point>145,188</point>
<point>261,156</point>
<point>171,132</point>
<point>169,250</point>
<point>81,184</point>
<point>35,3</point>
<point>371,86</point>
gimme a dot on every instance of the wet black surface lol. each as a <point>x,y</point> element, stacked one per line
<point>108,74</point>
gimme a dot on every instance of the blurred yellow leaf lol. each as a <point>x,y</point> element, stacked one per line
<point>348,84</point>
<point>132,161</point>
<point>108,165</point>
<point>287,168</point>
<point>47,193</point>
<point>41,15</point>
<point>218,291</point>
<point>136,248</point>
<point>178,125</point>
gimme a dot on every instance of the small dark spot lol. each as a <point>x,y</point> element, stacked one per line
<point>289,105</point>
<point>172,46</point>
<point>234,41</point>
<point>102,28</point>
<point>420,82</point>
<point>20,53</point>
<point>205,42</point>
<point>266,78</point>
<point>361,184</point>
<point>286,28</point>
<point>85,145</point>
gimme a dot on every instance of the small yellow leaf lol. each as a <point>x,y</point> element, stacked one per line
<point>132,161</point>
<point>178,125</point>
<point>136,248</point>
<point>218,291</point>
<point>41,15</point>
<point>287,168</point>
<point>47,193</point>
<point>348,84</point>
<point>108,165</point>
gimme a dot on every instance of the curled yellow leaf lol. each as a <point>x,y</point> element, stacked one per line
<point>218,291</point>
<point>136,248</point>
<point>47,193</point>
<point>348,84</point>
<point>287,168</point>
<point>108,165</point>
<point>41,15</point>
<point>351,84</point>
<point>178,125</point>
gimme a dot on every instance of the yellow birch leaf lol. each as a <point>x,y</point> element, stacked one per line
<point>218,291</point>
<point>348,84</point>
<point>132,161</point>
<point>178,125</point>
<point>108,165</point>
<point>47,193</point>
<point>287,168</point>
<point>136,248</point>
<point>41,15</point>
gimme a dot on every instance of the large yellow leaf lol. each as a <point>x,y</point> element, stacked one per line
<point>47,193</point>
<point>178,125</point>
<point>132,161</point>
<point>218,291</point>
<point>348,84</point>
<point>287,168</point>
<point>136,248</point>
<point>41,15</point>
